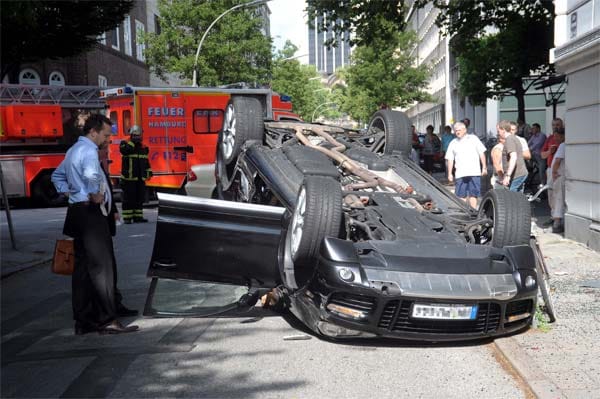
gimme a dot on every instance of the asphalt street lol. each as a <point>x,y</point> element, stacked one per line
<point>251,356</point>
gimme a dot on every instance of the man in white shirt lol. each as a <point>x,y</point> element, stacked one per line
<point>467,154</point>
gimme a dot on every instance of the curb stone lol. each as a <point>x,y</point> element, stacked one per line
<point>538,382</point>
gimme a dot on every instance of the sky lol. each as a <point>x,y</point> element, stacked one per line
<point>288,22</point>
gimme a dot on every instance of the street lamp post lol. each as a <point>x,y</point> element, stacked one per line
<point>252,3</point>
<point>312,118</point>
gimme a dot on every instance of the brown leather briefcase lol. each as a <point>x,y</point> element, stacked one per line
<point>64,257</point>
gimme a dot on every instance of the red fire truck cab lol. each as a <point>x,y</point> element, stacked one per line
<point>179,125</point>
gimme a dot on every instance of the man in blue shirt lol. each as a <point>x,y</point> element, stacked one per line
<point>80,177</point>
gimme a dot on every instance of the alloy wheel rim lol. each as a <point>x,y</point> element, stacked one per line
<point>245,187</point>
<point>298,222</point>
<point>228,132</point>
<point>379,124</point>
<point>488,211</point>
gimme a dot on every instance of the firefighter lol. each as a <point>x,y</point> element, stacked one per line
<point>135,170</point>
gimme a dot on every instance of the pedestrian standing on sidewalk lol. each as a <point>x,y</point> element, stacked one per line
<point>431,146</point>
<point>524,145</point>
<point>558,183</point>
<point>536,142</point>
<point>135,170</point>
<point>467,153</point>
<point>548,151</point>
<point>80,177</point>
<point>496,154</point>
<point>515,172</point>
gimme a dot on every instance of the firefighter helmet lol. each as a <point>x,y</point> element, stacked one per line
<point>135,130</point>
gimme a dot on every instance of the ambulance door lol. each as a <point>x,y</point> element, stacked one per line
<point>207,111</point>
<point>163,122</point>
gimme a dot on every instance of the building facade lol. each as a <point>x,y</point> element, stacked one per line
<point>577,55</point>
<point>327,59</point>
<point>449,106</point>
<point>117,59</point>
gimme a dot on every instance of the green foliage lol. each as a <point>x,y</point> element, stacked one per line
<point>235,50</point>
<point>301,82</point>
<point>499,44</point>
<point>540,321</point>
<point>362,17</point>
<point>382,74</point>
<point>39,29</point>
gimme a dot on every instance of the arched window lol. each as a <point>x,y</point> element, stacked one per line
<point>56,79</point>
<point>29,77</point>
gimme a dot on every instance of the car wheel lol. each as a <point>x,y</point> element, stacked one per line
<point>317,214</point>
<point>44,193</point>
<point>396,126</point>
<point>511,214</point>
<point>243,121</point>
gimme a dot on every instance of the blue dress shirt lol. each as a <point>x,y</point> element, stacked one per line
<point>80,173</point>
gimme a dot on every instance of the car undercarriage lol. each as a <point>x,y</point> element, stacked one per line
<point>361,242</point>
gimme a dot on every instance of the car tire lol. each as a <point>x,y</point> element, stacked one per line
<point>317,214</point>
<point>243,121</point>
<point>396,126</point>
<point>511,213</point>
<point>44,193</point>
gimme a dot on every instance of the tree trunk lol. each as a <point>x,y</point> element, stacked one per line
<point>520,96</point>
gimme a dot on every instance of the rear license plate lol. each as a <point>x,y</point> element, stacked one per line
<point>444,312</point>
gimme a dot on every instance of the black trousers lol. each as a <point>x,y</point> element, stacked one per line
<point>93,280</point>
<point>133,199</point>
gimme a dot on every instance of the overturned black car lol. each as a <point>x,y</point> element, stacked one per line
<point>343,230</point>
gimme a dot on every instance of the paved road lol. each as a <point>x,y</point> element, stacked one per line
<point>225,358</point>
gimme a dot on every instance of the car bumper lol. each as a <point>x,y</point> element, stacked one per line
<point>379,301</point>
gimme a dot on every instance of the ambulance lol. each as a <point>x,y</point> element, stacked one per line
<point>180,126</point>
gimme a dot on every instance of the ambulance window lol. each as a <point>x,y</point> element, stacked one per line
<point>207,120</point>
<point>115,124</point>
<point>126,121</point>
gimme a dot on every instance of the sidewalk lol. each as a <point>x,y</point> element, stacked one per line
<point>562,359</point>
<point>34,242</point>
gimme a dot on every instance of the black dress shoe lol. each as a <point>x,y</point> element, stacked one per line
<point>122,311</point>
<point>81,329</point>
<point>116,328</point>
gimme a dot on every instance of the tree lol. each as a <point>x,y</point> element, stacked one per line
<point>300,82</point>
<point>369,20</point>
<point>39,29</point>
<point>499,45</point>
<point>235,50</point>
<point>382,73</point>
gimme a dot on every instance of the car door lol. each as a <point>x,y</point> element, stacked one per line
<point>208,253</point>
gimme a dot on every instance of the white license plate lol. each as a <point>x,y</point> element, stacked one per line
<point>444,312</point>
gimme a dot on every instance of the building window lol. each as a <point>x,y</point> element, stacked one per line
<point>127,35</point>
<point>114,38</point>
<point>29,77</point>
<point>102,81</point>
<point>56,79</point>
<point>140,47</point>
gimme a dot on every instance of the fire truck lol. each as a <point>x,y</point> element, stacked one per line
<point>37,126</point>
<point>180,126</point>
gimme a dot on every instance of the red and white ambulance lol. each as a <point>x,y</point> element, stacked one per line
<point>180,127</point>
